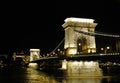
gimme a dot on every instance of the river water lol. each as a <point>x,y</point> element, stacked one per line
<point>30,75</point>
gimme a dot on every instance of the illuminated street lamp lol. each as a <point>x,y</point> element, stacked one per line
<point>102,50</point>
<point>108,47</point>
<point>58,49</point>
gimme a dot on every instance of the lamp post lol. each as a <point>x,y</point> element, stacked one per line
<point>107,49</point>
<point>102,50</point>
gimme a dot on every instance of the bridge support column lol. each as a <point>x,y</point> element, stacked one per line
<point>82,68</point>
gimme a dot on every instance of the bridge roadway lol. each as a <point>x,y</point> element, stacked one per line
<point>114,57</point>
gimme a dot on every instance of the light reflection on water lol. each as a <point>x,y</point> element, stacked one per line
<point>35,76</point>
<point>29,75</point>
<point>85,79</point>
<point>55,76</point>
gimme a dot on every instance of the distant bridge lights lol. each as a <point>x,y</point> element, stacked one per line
<point>107,49</point>
<point>34,54</point>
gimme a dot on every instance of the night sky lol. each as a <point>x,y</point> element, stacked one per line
<point>38,24</point>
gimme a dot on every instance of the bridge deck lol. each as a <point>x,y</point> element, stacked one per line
<point>102,57</point>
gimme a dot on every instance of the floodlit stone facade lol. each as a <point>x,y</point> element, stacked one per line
<point>78,39</point>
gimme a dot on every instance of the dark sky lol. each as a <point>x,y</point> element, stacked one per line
<point>38,24</point>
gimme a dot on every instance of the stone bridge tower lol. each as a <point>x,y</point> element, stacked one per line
<point>78,39</point>
<point>34,54</point>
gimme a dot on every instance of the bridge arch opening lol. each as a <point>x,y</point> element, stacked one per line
<point>81,45</point>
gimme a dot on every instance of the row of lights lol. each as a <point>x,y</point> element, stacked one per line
<point>105,48</point>
<point>54,53</point>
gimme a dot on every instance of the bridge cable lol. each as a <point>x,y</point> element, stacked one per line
<point>57,46</point>
<point>98,33</point>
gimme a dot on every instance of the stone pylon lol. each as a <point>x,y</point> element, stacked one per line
<point>78,38</point>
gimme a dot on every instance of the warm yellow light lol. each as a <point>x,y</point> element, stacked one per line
<point>75,63</point>
<point>64,64</point>
<point>91,50</point>
<point>88,64</point>
<point>34,49</point>
<point>72,51</point>
<point>79,44</point>
<point>108,47</point>
<point>102,49</point>
<point>73,19</point>
<point>33,65</point>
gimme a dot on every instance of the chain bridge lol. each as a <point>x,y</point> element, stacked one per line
<point>79,44</point>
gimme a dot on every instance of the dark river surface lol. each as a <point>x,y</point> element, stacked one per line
<point>29,75</point>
